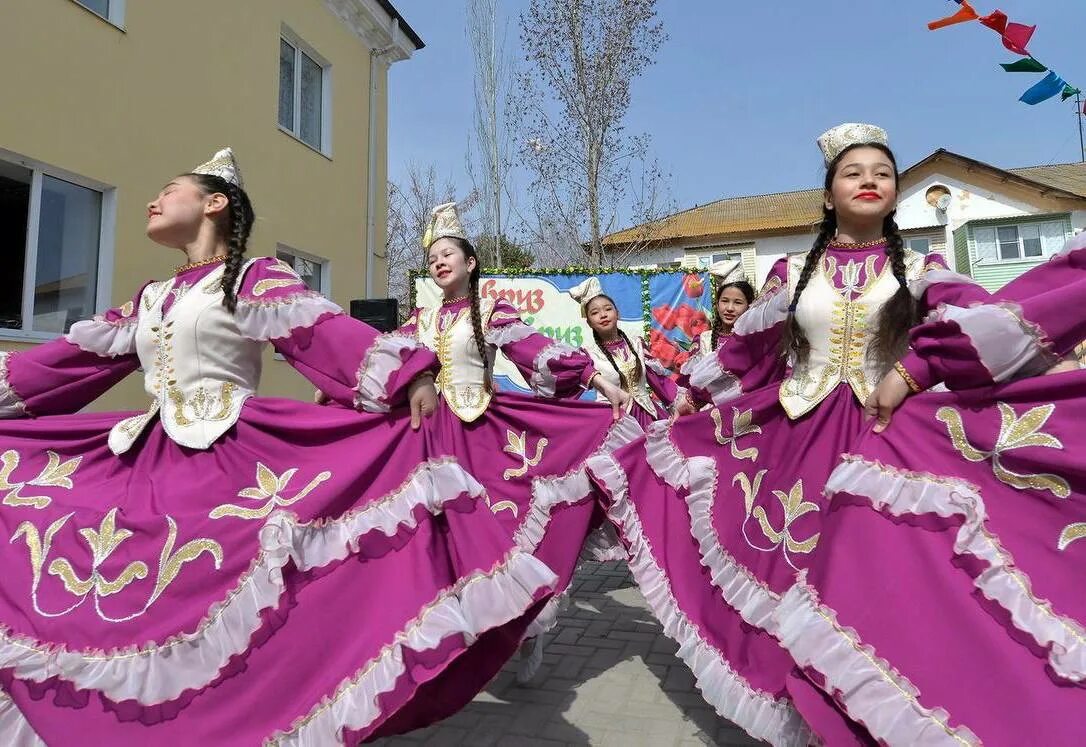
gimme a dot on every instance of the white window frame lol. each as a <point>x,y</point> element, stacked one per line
<point>300,48</point>
<point>998,259</point>
<point>324,264</point>
<point>114,14</point>
<point>107,233</point>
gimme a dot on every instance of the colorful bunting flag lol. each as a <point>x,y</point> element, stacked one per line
<point>962,16</point>
<point>1048,87</point>
<point>1028,65</point>
<point>1015,37</point>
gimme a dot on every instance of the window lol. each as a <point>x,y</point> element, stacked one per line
<point>54,229</point>
<point>310,269</point>
<point>303,94</point>
<point>1022,242</point>
<point>110,10</point>
<point>921,245</point>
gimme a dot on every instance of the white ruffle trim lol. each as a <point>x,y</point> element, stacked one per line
<point>383,358</point>
<point>1073,244</point>
<point>158,673</point>
<point>707,375</point>
<point>476,604</point>
<point>15,730</point>
<point>1007,344</point>
<point>871,691</point>
<point>11,404</point>
<point>103,338</point>
<point>760,714</point>
<point>603,546</point>
<point>741,589</point>
<point>768,311</point>
<point>508,333</point>
<point>277,318</point>
<point>921,284</point>
<point>548,493</point>
<point>1003,582</point>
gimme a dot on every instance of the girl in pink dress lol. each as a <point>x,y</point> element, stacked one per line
<point>528,452</point>
<point>226,569</point>
<point>733,297</point>
<point>624,362</point>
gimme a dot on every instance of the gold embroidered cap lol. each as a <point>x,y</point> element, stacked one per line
<point>728,271</point>
<point>585,291</point>
<point>223,165</point>
<point>444,223</point>
<point>833,142</point>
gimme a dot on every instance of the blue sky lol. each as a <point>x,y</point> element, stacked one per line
<point>740,91</point>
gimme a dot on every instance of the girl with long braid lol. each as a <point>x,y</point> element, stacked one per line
<point>622,361</point>
<point>721,509</point>
<point>527,452</point>
<point>227,569</point>
<point>733,296</point>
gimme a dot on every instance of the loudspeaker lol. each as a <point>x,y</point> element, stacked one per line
<point>381,313</point>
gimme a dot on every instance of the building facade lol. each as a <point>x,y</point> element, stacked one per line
<point>114,98</point>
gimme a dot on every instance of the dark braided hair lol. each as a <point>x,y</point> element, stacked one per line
<point>610,358</point>
<point>718,324</point>
<point>476,315</point>
<point>239,223</point>
<point>898,315</point>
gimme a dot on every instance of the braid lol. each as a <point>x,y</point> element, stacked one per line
<point>638,371</point>
<point>898,315</point>
<point>477,325</point>
<point>610,358</point>
<point>238,227</point>
<point>718,323</point>
<point>794,342</point>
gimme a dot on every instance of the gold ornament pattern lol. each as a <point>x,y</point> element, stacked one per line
<point>269,488</point>
<point>55,474</point>
<point>103,542</point>
<point>1014,433</point>
<point>742,425</point>
<point>794,507</point>
<point>518,448</point>
<point>1071,533</point>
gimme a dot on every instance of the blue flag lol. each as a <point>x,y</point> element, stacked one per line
<point>1048,87</point>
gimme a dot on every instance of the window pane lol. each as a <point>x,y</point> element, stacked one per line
<point>310,272</point>
<point>985,240</point>
<point>309,126</point>
<point>101,7</point>
<point>923,246</point>
<point>1008,242</point>
<point>1053,236</point>
<point>14,209</point>
<point>67,272</point>
<point>1031,240</point>
<point>286,85</point>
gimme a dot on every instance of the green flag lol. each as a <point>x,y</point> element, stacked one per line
<point>1069,91</point>
<point>1027,65</point>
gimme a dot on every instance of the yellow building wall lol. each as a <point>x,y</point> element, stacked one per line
<point>134,107</point>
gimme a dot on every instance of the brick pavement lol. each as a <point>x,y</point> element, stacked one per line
<point>609,677</point>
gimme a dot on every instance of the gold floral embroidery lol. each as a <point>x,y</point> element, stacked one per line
<point>497,508</point>
<point>268,284</point>
<point>55,474</point>
<point>269,488</point>
<point>127,309</point>
<point>180,290</point>
<point>517,447</point>
<point>794,507</point>
<point>1014,433</point>
<point>1071,533</point>
<point>202,404</point>
<point>742,425</point>
<point>103,542</point>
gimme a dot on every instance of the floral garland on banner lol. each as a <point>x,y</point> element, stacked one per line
<point>1016,37</point>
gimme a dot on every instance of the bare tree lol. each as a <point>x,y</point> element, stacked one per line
<point>573,95</point>
<point>409,208</point>
<point>487,37</point>
<point>651,205</point>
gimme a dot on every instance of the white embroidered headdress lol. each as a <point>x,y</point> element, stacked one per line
<point>444,223</point>
<point>223,165</point>
<point>833,142</point>
<point>585,291</point>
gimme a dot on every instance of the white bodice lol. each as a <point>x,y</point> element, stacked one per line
<point>626,360</point>
<point>460,380</point>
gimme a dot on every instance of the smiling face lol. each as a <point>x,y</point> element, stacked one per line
<point>730,305</point>
<point>863,186</point>
<point>175,216</point>
<point>602,315</point>
<point>450,266</point>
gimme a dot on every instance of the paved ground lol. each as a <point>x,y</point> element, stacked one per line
<point>609,677</point>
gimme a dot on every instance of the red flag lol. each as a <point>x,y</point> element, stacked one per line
<point>996,20</point>
<point>1017,36</point>
<point>962,16</point>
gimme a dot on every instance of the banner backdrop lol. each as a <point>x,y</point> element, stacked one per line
<point>671,308</point>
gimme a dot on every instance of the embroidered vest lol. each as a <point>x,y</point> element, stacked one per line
<point>460,380</point>
<point>198,368</point>
<point>627,362</point>
<point>840,325</point>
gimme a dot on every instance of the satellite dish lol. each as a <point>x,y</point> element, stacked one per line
<point>943,202</point>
